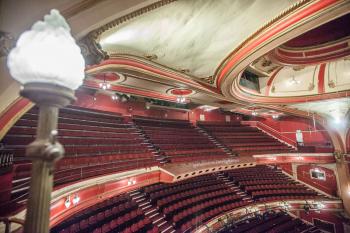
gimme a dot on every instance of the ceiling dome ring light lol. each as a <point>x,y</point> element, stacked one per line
<point>106,80</point>
<point>181,94</point>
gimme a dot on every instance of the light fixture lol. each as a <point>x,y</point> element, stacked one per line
<point>131,182</point>
<point>49,65</point>
<point>115,97</point>
<point>317,170</point>
<point>181,99</point>
<point>320,206</point>
<point>286,205</point>
<point>104,85</point>
<point>67,202</point>
<point>76,199</point>
<point>293,81</point>
<point>254,113</point>
<point>275,116</point>
<point>337,120</point>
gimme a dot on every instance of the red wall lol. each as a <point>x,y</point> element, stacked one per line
<point>329,185</point>
<point>287,167</point>
<point>325,216</point>
<point>105,103</point>
<point>99,192</point>
<point>212,116</point>
<point>288,125</point>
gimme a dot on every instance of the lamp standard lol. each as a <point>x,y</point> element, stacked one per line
<point>49,65</point>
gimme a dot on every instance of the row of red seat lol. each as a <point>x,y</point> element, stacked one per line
<point>178,196</point>
<point>199,216</point>
<point>189,214</point>
<point>269,222</point>
<point>223,195</point>
<point>190,202</point>
<point>273,186</point>
<point>24,130</point>
<point>118,215</point>
<point>264,181</point>
<point>179,138</point>
<point>245,140</point>
<point>194,182</point>
<point>280,192</point>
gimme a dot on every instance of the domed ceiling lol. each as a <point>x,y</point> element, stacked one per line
<point>194,36</point>
<point>228,53</point>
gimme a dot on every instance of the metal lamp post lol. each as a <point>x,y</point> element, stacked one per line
<point>49,64</point>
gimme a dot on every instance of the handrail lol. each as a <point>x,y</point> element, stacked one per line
<point>276,133</point>
<point>6,159</point>
<point>7,222</point>
<point>83,173</point>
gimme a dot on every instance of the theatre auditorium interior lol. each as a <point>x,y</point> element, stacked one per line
<point>175,116</point>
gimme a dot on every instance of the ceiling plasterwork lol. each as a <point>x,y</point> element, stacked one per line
<point>172,36</point>
<point>334,109</point>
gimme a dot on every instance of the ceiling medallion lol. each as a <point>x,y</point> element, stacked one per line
<point>180,92</point>
<point>106,79</point>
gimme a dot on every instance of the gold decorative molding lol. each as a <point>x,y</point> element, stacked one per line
<point>91,49</point>
<point>96,33</point>
<point>78,7</point>
<point>339,156</point>
<point>283,14</point>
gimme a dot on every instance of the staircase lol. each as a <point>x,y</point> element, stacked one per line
<point>151,211</point>
<point>227,150</point>
<point>233,186</point>
<point>159,157</point>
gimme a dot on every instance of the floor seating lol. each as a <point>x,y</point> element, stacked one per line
<point>264,183</point>
<point>269,222</point>
<point>118,214</point>
<point>194,201</point>
<point>178,140</point>
<point>244,140</point>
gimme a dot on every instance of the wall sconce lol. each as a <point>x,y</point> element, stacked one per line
<point>76,199</point>
<point>67,202</point>
<point>131,182</point>
<point>320,206</point>
<point>115,97</point>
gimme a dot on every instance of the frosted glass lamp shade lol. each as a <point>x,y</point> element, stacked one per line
<point>47,54</point>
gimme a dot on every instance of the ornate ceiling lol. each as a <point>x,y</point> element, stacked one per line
<point>191,36</point>
<point>204,46</point>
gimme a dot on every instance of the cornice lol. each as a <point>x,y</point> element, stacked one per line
<point>266,26</point>
<point>96,33</point>
<point>78,7</point>
<point>91,49</point>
